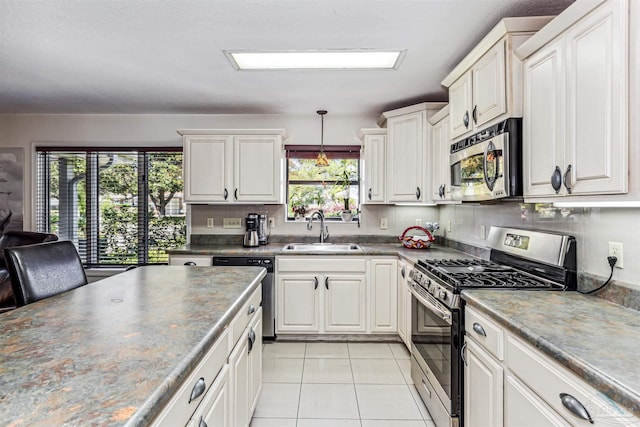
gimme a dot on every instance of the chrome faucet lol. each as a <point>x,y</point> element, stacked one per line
<point>324,230</point>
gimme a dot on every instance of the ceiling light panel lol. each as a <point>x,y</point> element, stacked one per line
<point>316,60</point>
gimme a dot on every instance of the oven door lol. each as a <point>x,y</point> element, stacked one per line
<point>478,172</point>
<point>435,331</point>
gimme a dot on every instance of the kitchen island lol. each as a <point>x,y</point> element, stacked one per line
<point>113,353</point>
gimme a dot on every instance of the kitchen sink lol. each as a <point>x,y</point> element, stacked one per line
<point>322,247</point>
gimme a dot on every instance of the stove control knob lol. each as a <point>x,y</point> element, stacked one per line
<point>442,294</point>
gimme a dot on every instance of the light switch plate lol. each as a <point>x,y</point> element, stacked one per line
<point>209,222</point>
<point>384,223</point>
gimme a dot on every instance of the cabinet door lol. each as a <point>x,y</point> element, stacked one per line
<point>483,388</point>
<point>298,304</point>
<point>257,169</point>
<point>345,303</point>
<point>405,148</point>
<point>374,168</point>
<point>215,408</point>
<point>441,181</point>
<point>206,168</point>
<point>489,86</point>
<point>543,122</point>
<point>255,361</point>
<point>597,86</point>
<point>239,364</point>
<point>460,105</point>
<point>402,308</point>
<point>524,408</point>
<point>384,294</point>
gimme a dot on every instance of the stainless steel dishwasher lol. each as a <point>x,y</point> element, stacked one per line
<point>268,288</point>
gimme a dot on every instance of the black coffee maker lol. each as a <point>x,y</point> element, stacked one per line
<point>251,238</point>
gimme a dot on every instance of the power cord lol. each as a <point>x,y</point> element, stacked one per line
<point>612,262</point>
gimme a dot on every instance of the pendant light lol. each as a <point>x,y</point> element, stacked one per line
<point>321,160</point>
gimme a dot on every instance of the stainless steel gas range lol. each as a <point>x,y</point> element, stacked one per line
<point>519,259</point>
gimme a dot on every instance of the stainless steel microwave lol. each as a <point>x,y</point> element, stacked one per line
<point>488,165</point>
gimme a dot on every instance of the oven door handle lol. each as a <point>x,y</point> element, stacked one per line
<point>443,314</point>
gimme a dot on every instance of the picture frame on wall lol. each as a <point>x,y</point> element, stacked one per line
<point>11,188</point>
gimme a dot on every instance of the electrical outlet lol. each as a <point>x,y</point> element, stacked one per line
<point>615,249</point>
<point>449,226</point>
<point>272,223</point>
<point>419,222</point>
<point>482,232</point>
<point>232,223</point>
<point>384,223</point>
<point>209,222</point>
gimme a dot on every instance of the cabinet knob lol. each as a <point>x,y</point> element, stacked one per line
<point>465,119</point>
<point>252,309</point>
<point>197,390</point>
<point>567,179</point>
<point>556,179</point>
<point>576,408</point>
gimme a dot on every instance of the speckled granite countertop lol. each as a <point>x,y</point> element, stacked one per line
<point>276,249</point>
<point>596,339</point>
<point>113,352</point>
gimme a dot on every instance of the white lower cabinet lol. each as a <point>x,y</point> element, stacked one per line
<point>483,387</point>
<point>403,271</point>
<point>527,388</point>
<point>383,283</point>
<point>336,295</point>
<point>214,409</point>
<point>321,295</point>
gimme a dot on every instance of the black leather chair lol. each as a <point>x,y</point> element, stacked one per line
<point>10,239</point>
<point>44,270</point>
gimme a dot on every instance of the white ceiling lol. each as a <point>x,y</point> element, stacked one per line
<point>166,56</point>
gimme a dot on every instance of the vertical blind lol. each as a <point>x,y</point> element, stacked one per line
<point>103,200</point>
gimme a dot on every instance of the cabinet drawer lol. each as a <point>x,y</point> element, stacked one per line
<point>548,379</point>
<point>204,260</point>
<point>315,264</point>
<point>246,313</point>
<point>485,332</point>
<point>181,407</point>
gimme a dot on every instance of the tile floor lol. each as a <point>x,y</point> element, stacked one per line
<point>319,384</point>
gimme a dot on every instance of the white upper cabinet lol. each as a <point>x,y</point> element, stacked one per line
<point>486,86</point>
<point>408,153</point>
<point>374,143</point>
<point>576,85</point>
<point>233,166</point>
<point>441,147</point>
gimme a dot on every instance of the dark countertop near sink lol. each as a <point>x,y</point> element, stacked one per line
<point>596,339</point>
<point>368,249</point>
<point>112,353</point>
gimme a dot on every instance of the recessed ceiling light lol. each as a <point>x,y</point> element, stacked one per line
<point>360,59</point>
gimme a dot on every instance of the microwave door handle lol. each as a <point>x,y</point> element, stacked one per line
<point>489,181</point>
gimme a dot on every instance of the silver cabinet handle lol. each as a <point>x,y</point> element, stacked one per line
<point>402,272</point>
<point>189,263</point>
<point>567,179</point>
<point>576,408</point>
<point>556,179</point>
<point>326,282</point>
<point>197,390</point>
<point>315,283</point>
<point>477,327</point>
<point>252,339</point>
<point>235,194</point>
<point>463,353</point>
<point>474,114</point>
<point>465,119</point>
<point>369,194</point>
<point>418,193</point>
<point>252,309</point>
<point>202,423</point>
